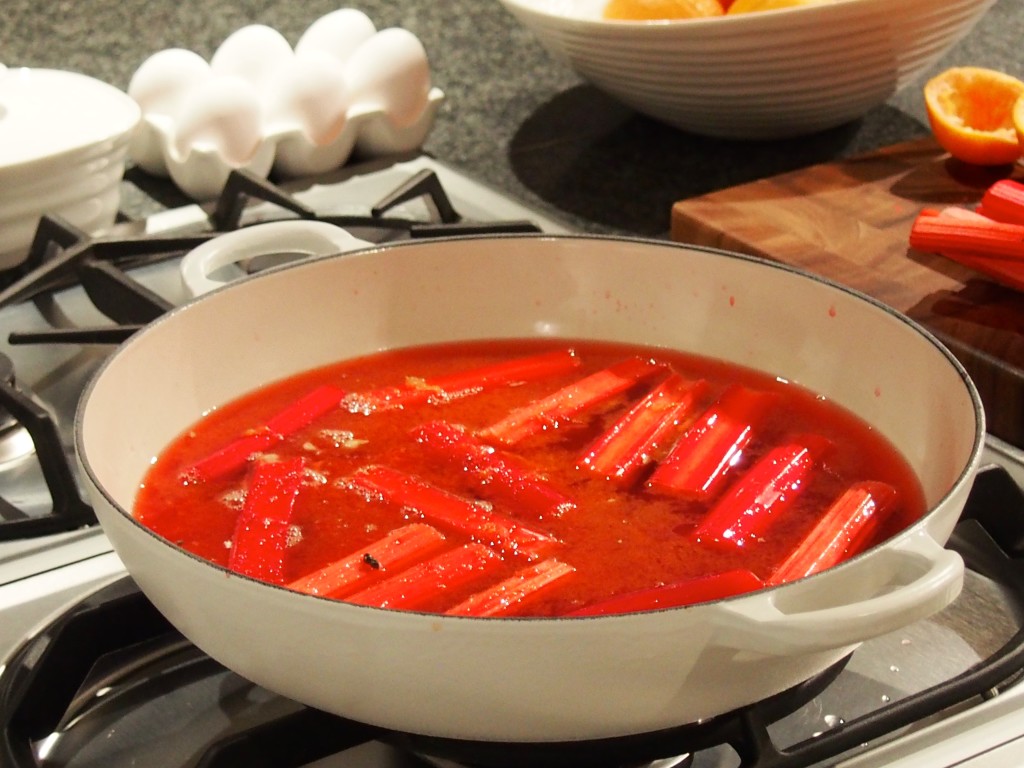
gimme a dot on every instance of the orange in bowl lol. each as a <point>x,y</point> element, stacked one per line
<point>652,10</point>
<point>1018,121</point>
<point>755,6</point>
<point>971,111</point>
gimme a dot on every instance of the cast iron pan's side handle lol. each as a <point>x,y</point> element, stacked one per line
<point>910,580</point>
<point>310,238</point>
<point>988,538</point>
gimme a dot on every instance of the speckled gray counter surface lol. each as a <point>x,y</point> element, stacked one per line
<point>514,117</point>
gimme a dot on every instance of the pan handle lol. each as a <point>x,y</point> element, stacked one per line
<point>307,238</point>
<point>866,597</point>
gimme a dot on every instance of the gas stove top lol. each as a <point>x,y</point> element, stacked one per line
<point>939,693</point>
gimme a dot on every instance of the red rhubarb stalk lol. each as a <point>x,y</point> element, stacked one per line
<point>499,475</point>
<point>698,590</point>
<point>572,400</point>
<point>764,493</point>
<point>631,444</point>
<point>843,531</point>
<point>449,510</point>
<point>233,457</point>
<point>461,384</point>
<point>1004,201</point>
<point>956,212</point>
<point>956,233</point>
<point>699,463</point>
<point>398,550</point>
<point>236,454</point>
<point>507,597</point>
<point>262,529</point>
<point>416,586</point>
<point>1009,272</point>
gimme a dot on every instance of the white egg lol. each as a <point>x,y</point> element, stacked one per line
<point>161,80</point>
<point>224,116</point>
<point>339,33</point>
<point>390,72</point>
<point>310,94</point>
<point>255,52</point>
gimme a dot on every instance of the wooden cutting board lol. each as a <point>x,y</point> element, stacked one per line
<point>849,220</point>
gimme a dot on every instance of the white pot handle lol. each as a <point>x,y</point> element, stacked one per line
<point>312,238</point>
<point>898,585</point>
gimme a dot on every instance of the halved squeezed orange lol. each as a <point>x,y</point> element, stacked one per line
<point>971,111</point>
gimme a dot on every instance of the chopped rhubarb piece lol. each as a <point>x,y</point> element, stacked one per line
<point>1005,269</point>
<point>699,463</point>
<point>398,550</point>
<point>449,510</point>
<point>464,383</point>
<point>500,475</point>
<point>762,494</point>
<point>418,585</point>
<point>1009,272</point>
<point>571,400</point>
<point>843,531</point>
<point>262,530</point>
<point>1004,201</point>
<point>504,598</point>
<point>698,590</point>
<point>232,457</point>
<point>956,233</point>
<point>955,212</point>
<point>306,410</point>
<point>630,444</point>
<point>236,454</point>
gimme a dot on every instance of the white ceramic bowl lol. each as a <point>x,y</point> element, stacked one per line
<point>63,142</point>
<point>762,75</point>
<point>535,679</point>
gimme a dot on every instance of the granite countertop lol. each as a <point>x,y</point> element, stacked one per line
<point>514,117</point>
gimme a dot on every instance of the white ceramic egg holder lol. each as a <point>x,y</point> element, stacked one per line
<point>260,105</point>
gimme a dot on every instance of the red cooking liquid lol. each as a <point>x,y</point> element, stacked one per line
<point>618,540</point>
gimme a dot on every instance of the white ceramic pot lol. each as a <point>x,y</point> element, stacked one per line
<point>536,680</point>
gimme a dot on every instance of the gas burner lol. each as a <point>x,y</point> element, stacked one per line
<point>95,667</point>
<point>72,691</point>
<point>744,730</point>
<point>683,761</point>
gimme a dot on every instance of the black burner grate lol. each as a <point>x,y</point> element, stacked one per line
<point>62,255</point>
<point>67,509</point>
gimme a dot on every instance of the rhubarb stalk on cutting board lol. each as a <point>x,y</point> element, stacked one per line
<point>988,239</point>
